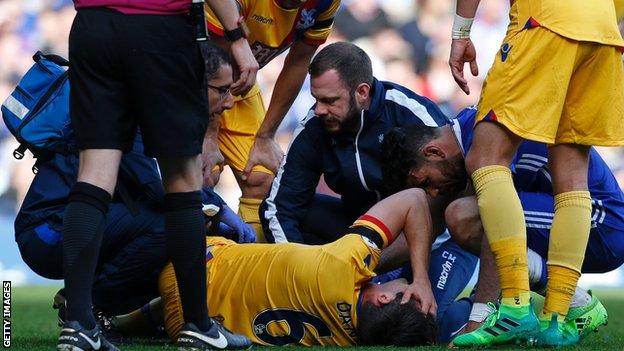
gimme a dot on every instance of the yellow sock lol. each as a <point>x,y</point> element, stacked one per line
<point>513,271</point>
<point>248,211</point>
<point>568,240</point>
<point>503,220</point>
<point>559,291</point>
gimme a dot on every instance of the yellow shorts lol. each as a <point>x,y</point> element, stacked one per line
<point>551,89</point>
<point>238,128</point>
<point>619,9</point>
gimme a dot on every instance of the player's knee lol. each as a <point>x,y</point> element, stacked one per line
<point>257,185</point>
<point>497,147</point>
<point>460,217</point>
<point>476,159</point>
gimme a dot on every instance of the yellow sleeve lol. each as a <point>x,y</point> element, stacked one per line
<point>172,306</point>
<point>214,25</point>
<point>319,32</point>
<point>374,230</point>
<point>359,251</point>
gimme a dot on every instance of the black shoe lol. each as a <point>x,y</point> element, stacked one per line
<point>76,338</point>
<point>216,338</point>
<point>110,332</point>
<point>60,303</point>
<point>105,322</point>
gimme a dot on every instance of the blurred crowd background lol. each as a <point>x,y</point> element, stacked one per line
<point>407,40</point>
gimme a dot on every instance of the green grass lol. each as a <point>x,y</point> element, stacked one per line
<point>34,324</point>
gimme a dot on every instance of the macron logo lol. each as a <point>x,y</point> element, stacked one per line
<point>446,268</point>
<point>262,19</point>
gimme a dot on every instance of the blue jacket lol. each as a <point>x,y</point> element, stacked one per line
<point>47,196</point>
<point>348,162</point>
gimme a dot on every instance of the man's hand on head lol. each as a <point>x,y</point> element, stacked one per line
<point>421,291</point>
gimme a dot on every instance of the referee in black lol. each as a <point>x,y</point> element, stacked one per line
<point>138,64</point>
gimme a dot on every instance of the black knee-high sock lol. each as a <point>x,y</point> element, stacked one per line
<point>83,227</point>
<point>186,246</point>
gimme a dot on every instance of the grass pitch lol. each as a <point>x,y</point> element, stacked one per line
<point>34,324</point>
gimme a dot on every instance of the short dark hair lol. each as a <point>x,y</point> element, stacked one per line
<point>352,64</point>
<point>395,324</point>
<point>214,58</point>
<point>400,152</point>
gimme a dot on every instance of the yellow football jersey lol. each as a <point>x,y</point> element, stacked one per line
<point>274,29</point>
<point>280,294</point>
<point>580,20</point>
<point>619,9</point>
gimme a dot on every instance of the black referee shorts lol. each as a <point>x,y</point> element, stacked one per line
<point>136,70</point>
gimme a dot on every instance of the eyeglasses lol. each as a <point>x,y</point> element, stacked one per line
<point>223,91</point>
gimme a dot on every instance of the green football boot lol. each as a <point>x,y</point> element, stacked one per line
<point>556,334</point>
<point>587,319</point>
<point>505,326</point>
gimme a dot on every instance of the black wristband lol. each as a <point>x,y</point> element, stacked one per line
<point>234,34</point>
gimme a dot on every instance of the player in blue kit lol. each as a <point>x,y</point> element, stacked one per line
<point>433,159</point>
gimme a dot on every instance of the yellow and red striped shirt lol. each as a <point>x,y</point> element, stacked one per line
<point>280,294</point>
<point>274,29</point>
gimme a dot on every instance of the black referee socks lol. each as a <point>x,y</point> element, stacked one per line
<point>83,226</point>
<point>186,247</point>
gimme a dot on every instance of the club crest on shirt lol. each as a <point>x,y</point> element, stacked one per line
<point>307,19</point>
<point>505,49</point>
<point>209,255</point>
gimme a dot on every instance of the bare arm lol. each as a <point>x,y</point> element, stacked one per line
<point>265,150</point>
<point>462,49</point>
<point>227,13</point>
<point>211,155</point>
<point>287,86</point>
<point>467,8</point>
<point>397,253</point>
<point>408,212</point>
<point>393,256</point>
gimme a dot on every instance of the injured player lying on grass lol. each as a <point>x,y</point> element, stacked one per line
<point>283,294</point>
<point>293,294</point>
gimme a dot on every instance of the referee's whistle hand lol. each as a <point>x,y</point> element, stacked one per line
<point>247,67</point>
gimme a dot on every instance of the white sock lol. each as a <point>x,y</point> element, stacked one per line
<point>479,312</point>
<point>535,266</point>
<point>580,298</point>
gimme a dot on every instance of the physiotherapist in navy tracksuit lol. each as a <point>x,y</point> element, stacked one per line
<point>133,249</point>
